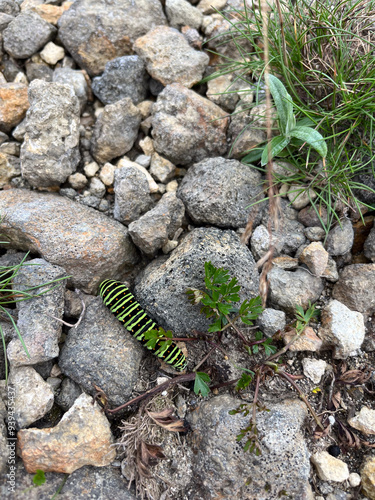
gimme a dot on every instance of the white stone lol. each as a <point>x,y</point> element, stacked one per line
<point>125,162</point>
<point>33,396</point>
<point>107,174</point>
<point>341,328</point>
<point>171,186</point>
<point>300,196</point>
<point>52,53</point>
<point>354,479</point>
<point>77,180</point>
<point>210,6</point>
<point>364,421</point>
<point>330,468</point>
<point>314,369</point>
<point>91,169</point>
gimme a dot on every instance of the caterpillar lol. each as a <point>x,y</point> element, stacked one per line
<point>121,302</point>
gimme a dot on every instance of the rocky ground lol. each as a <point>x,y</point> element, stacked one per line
<point>114,164</point>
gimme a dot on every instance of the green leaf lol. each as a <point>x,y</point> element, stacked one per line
<point>200,384</point>
<point>244,381</point>
<point>311,137</point>
<point>39,478</point>
<point>253,156</point>
<point>277,144</point>
<point>283,103</point>
<point>216,326</point>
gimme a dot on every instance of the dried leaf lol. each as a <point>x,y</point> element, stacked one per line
<point>166,420</point>
<point>347,437</point>
<point>148,456</point>
<point>336,400</point>
<point>353,377</point>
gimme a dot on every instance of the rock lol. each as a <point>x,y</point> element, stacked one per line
<point>368,477</point>
<point>210,6</point>
<point>314,369</point>
<point>187,127</point>
<point>100,351</point>
<point>97,188</point>
<point>9,7</point>
<point>77,180</point>
<point>82,437</point>
<point>307,341</point>
<point>161,289</point>
<point>10,167</point>
<point>330,468</point>
<point>163,170</point>
<point>315,257</point>
<point>95,32</point>
<point>285,262</point>
<point>52,53</point>
<point>271,320</point>
<point>69,392</point>
<point>300,196</point>
<point>354,479</point>
<point>221,468</point>
<point>291,288</point>
<point>33,397</point>
<point>331,274</point>
<point>309,217</point>
<point>169,58</point>
<point>13,105</point>
<point>364,421</point>
<point>51,13</point>
<point>340,239</point>
<point>218,191</point>
<point>126,163</point>
<point>27,34</point>
<point>369,246</point>
<point>115,130</point>
<point>314,233</point>
<point>260,242</point>
<point>107,174</point>
<point>38,71</point>
<point>152,231</point>
<point>92,168</point>
<point>39,330</point>
<point>182,13</point>
<point>123,77</point>
<point>222,91</point>
<point>53,119</point>
<point>76,80</point>
<point>143,160</point>
<point>356,288</point>
<point>88,244</point>
<point>132,194</point>
<point>341,328</point>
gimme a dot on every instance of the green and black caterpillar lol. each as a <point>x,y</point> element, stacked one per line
<point>121,302</point>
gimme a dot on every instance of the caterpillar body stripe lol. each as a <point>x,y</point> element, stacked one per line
<point>122,303</point>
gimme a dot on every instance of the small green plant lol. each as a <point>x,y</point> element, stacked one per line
<point>157,335</point>
<point>39,478</point>
<point>292,133</point>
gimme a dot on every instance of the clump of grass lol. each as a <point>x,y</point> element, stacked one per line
<point>323,52</point>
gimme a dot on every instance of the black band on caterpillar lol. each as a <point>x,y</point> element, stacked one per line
<point>121,302</point>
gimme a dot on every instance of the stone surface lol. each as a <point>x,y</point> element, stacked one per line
<point>50,153</point>
<point>340,239</point>
<point>132,194</point>
<point>33,397</point>
<point>288,288</point>
<point>187,127</point>
<point>356,288</point>
<point>307,341</point>
<point>221,469</point>
<point>123,77</point>
<point>369,246</point>
<point>314,369</point>
<point>77,180</point>
<point>115,130</point>
<point>10,167</point>
<point>315,257</point>
<point>27,34</point>
<point>222,91</point>
<point>309,217</point>
<point>51,13</point>
<point>89,245</point>
<point>300,196</point>
<point>162,169</point>
<point>209,6</point>
<point>126,163</point>
<point>169,58</point>
<point>95,32</point>
<point>152,231</point>
<point>40,332</point>
<point>68,393</point>
<point>364,421</point>
<point>314,233</point>
<point>76,80</point>
<point>330,468</point>
<point>14,103</point>
<point>161,288</point>
<point>82,437</point>
<point>38,71</point>
<point>101,351</point>
<point>182,13</point>
<point>271,320</point>
<point>52,53</point>
<point>218,191</point>
<point>368,477</point>
<point>341,328</point>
